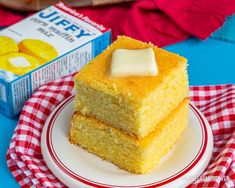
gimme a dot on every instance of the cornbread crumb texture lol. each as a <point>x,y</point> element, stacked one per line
<point>134,104</point>
<point>7,45</point>
<point>127,152</point>
<point>39,49</point>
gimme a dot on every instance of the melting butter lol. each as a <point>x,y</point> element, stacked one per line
<point>140,62</point>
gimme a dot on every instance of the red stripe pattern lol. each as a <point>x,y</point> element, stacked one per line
<point>25,160</point>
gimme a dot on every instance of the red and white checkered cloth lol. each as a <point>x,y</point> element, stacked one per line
<point>26,164</point>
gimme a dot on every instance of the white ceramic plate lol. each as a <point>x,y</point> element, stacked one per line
<point>76,167</point>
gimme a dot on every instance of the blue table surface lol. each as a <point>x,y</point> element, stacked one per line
<point>210,62</point>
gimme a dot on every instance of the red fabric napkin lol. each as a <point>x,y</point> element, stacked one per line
<point>26,164</point>
<point>161,22</point>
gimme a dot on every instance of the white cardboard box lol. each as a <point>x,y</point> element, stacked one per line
<point>76,38</point>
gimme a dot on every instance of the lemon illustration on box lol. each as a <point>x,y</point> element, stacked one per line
<point>8,45</point>
<point>18,63</point>
<point>41,50</point>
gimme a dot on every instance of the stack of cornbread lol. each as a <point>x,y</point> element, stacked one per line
<point>132,121</point>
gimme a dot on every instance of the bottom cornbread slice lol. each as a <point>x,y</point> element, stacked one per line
<point>127,152</point>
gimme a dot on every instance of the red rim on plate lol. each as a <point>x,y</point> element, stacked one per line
<point>89,182</point>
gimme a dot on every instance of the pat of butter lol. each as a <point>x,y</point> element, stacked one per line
<point>19,62</point>
<point>139,62</point>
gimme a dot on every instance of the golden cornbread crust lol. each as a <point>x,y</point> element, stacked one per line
<point>96,73</point>
<point>132,154</point>
<point>134,104</point>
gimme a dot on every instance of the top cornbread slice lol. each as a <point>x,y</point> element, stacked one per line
<point>135,104</point>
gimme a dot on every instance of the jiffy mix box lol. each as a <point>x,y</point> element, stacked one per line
<point>52,43</point>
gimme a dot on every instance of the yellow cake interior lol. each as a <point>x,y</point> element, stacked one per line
<point>127,152</point>
<point>134,104</point>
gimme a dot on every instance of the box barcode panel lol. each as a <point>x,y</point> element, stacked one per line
<point>3,92</point>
